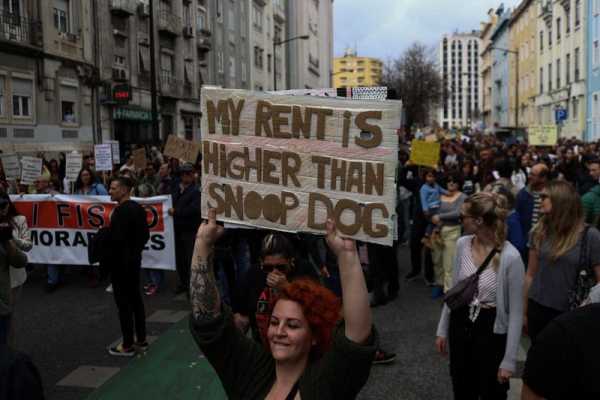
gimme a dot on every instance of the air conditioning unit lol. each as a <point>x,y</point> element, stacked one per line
<point>188,31</point>
<point>119,74</point>
<point>144,10</point>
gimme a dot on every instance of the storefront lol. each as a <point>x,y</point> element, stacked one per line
<point>133,125</point>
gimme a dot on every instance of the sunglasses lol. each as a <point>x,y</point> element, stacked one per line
<point>268,268</point>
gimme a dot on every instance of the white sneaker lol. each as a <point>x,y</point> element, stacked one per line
<point>109,289</point>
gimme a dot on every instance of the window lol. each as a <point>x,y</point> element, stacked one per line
<point>144,59</point>
<point>220,62</point>
<point>268,62</point>
<point>201,19</point>
<point>119,61</point>
<point>549,38</point>
<point>231,67</point>
<point>558,29</point>
<point>166,63</point>
<point>595,54</point>
<point>596,7</point>
<point>575,103</point>
<point>541,41</point>
<point>219,10</point>
<point>68,101</point>
<point>577,13</point>
<point>568,69</point>
<point>550,77</point>
<point>568,20</point>
<point>257,18</point>
<point>541,80</point>
<point>258,57</point>
<point>243,66</point>
<point>22,90</point>
<point>558,73</point>
<point>577,64</point>
<point>2,85</point>
<point>61,15</point>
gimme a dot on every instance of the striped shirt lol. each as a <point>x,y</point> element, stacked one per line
<point>487,279</point>
<point>537,202</point>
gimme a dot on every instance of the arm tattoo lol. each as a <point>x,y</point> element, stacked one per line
<point>204,295</point>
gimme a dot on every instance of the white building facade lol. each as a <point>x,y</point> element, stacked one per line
<point>460,66</point>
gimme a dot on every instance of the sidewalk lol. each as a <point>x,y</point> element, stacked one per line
<point>173,368</point>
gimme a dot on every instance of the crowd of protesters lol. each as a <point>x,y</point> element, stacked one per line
<point>525,216</point>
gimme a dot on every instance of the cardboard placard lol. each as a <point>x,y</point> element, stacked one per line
<point>103,157</point>
<point>544,135</point>
<point>11,166</point>
<point>182,149</point>
<point>73,165</point>
<point>116,155</point>
<point>290,162</point>
<point>425,153</point>
<point>31,169</point>
<point>139,158</point>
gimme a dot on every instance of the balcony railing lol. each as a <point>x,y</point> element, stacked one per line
<point>169,85</point>
<point>123,7</point>
<point>169,22</point>
<point>16,28</point>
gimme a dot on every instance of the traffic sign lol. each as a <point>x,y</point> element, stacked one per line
<point>560,114</point>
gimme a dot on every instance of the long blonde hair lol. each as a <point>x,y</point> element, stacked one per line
<point>492,209</point>
<point>563,225</point>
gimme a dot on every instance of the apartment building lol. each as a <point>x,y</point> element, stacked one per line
<point>592,132</point>
<point>310,62</point>
<point>561,64</point>
<point>500,43</point>
<point>47,77</point>
<point>460,65</point>
<point>523,40</point>
<point>352,70</point>
<point>487,29</point>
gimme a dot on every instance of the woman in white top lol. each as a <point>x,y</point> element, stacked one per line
<point>22,238</point>
<point>484,336</point>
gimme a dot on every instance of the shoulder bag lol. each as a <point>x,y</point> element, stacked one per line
<point>585,279</point>
<point>466,290</point>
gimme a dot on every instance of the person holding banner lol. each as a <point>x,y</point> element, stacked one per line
<point>128,235</point>
<point>309,355</point>
<point>88,184</point>
<point>10,256</point>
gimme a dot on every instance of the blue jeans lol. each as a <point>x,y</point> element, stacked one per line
<point>4,329</point>
<point>54,274</point>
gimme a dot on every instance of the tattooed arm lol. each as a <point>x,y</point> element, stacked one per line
<point>204,295</point>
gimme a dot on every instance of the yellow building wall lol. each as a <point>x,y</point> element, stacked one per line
<point>351,71</point>
<point>524,39</point>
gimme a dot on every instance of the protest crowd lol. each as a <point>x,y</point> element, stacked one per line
<point>266,306</point>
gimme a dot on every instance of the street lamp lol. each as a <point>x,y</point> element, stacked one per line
<point>516,53</point>
<point>279,43</point>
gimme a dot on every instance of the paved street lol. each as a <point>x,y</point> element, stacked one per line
<point>66,334</point>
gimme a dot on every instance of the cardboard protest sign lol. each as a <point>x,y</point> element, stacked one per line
<point>290,162</point>
<point>116,155</point>
<point>11,166</point>
<point>425,153</point>
<point>73,164</point>
<point>139,158</point>
<point>31,169</point>
<point>182,149</point>
<point>62,225</point>
<point>545,135</point>
<point>103,157</point>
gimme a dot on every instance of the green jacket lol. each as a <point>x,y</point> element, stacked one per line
<point>591,205</point>
<point>17,260</point>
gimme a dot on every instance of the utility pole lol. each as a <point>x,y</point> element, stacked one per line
<point>153,89</point>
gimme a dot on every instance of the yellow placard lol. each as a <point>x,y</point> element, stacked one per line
<point>544,135</point>
<point>425,153</point>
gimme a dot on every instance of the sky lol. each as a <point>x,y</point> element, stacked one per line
<point>384,28</point>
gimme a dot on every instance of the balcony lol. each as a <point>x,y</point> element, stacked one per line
<point>20,30</point>
<point>123,8</point>
<point>169,86</point>
<point>203,44</point>
<point>547,13</point>
<point>169,23</point>
<point>566,4</point>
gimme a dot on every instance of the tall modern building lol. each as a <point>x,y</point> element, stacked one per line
<point>47,75</point>
<point>352,70</point>
<point>562,64</point>
<point>310,61</point>
<point>460,66</point>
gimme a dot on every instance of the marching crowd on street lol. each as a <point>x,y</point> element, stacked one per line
<point>505,234</point>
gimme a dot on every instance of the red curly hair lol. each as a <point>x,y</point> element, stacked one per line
<point>321,309</point>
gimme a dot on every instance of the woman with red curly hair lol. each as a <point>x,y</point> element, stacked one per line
<point>311,353</point>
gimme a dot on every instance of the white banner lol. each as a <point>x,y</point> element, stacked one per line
<point>31,169</point>
<point>62,226</point>
<point>103,157</point>
<point>74,163</point>
<point>12,168</point>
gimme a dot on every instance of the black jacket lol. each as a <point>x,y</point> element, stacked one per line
<point>187,215</point>
<point>19,378</point>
